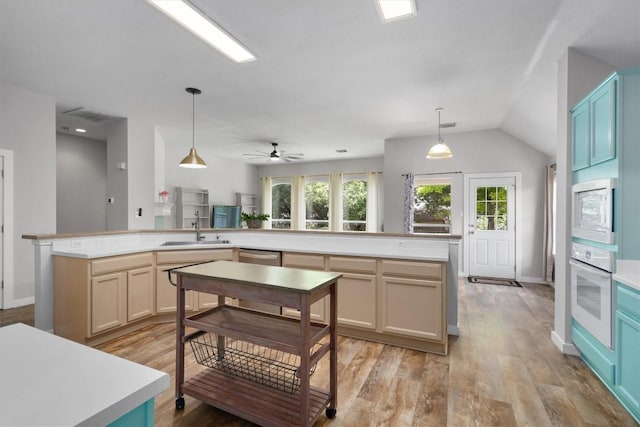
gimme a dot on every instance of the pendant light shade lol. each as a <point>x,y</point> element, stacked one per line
<point>439,150</point>
<point>192,160</point>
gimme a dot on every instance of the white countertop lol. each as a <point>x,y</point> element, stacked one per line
<point>379,246</point>
<point>50,381</point>
<point>628,273</point>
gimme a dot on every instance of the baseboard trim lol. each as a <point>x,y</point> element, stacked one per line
<point>453,330</point>
<point>564,347</point>
<point>528,279</point>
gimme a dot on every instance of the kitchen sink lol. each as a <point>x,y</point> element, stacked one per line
<point>194,243</point>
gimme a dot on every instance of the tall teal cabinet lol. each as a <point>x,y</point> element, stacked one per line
<point>606,144</point>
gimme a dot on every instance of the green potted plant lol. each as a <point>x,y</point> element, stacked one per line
<point>254,220</point>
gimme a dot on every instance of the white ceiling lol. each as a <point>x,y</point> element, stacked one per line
<point>329,74</point>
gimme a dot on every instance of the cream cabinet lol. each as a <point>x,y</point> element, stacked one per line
<point>92,297</point>
<point>357,295</point>
<point>308,262</point>
<point>166,292</point>
<point>413,299</point>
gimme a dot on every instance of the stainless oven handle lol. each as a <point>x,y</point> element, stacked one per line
<point>591,270</point>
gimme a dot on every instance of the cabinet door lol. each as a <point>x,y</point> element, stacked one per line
<point>627,349</point>
<point>308,262</point>
<point>357,300</point>
<point>140,292</point>
<point>603,113</point>
<point>166,292</point>
<point>580,137</point>
<point>108,301</point>
<point>412,307</point>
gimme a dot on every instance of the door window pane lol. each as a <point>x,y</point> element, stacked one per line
<point>491,208</point>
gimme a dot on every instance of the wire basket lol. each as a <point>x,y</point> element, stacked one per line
<point>263,365</point>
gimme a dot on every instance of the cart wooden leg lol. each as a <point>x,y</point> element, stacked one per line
<point>305,334</point>
<point>333,351</point>
<point>179,343</point>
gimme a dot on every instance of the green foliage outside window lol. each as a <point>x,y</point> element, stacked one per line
<point>354,205</point>
<point>432,207</point>
<point>317,205</point>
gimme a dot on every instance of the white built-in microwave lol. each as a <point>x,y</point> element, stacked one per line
<point>592,210</point>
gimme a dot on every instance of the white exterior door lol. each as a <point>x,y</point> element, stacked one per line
<point>491,227</point>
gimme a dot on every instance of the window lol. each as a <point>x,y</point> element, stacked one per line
<point>281,203</point>
<point>316,196</point>
<point>354,203</point>
<point>432,206</point>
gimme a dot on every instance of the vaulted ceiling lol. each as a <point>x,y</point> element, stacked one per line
<point>329,74</point>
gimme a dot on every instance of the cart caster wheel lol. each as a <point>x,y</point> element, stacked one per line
<point>180,403</point>
<point>331,413</point>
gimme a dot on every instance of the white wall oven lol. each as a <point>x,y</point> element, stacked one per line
<point>591,290</point>
<point>592,213</point>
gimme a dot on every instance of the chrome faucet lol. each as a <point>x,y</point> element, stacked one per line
<point>197,226</point>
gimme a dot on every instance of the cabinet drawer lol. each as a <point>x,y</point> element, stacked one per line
<point>412,269</point>
<point>314,262</point>
<point>355,265</point>
<point>190,257</point>
<point>118,263</point>
<point>628,301</point>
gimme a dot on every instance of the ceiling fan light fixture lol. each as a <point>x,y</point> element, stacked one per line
<point>192,160</point>
<point>439,150</point>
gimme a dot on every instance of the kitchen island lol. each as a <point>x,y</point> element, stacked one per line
<point>397,289</point>
<point>50,381</point>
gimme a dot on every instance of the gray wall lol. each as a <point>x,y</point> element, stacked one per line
<point>140,174</point>
<point>487,151</point>
<point>117,179</point>
<point>374,164</point>
<point>28,128</point>
<point>81,184</point>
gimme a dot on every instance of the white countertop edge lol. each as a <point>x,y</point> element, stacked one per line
<point>410,252</point>
<point>631,281</point>
<point>129,403</point>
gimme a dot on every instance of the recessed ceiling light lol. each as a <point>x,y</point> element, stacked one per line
<point>395,10</point>
<point>80,130</point>
<point>187,15</point>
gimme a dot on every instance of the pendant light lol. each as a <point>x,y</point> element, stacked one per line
<point>440,150</point>
<point>192,160</point>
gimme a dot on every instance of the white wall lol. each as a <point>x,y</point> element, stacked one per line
<point>117,179</point>
<point>222,177</point>
<point>578,74</point>
<point>474,152</point>
<point>81,183</point>
<point>27,127</point>
<point>141,175</point>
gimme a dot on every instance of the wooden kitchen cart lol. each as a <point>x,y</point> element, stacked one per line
<point>259,363</point>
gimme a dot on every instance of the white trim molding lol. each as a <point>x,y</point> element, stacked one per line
<point>564,347</point>
<point>8,300</point>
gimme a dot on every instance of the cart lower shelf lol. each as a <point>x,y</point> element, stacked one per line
<point>254,402</point>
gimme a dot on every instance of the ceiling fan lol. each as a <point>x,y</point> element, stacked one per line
<point>275,155</point>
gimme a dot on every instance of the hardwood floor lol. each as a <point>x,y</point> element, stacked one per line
<point>503,370</point>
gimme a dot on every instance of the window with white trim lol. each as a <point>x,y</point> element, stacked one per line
<point>432,205</point>
<point>316,197</point>
<point>281,203</point>
<point>354,202</point>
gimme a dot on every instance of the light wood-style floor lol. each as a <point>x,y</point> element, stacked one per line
<point>503,370</point>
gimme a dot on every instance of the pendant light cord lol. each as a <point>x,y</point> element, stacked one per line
<point>193,120</point>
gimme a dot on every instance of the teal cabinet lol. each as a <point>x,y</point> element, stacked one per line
<point>628,348</point>
<point>593,126</point>
<point>580,132</point>
<point>603,123</point>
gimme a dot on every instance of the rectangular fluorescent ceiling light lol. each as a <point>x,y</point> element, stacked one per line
<point>195,21</point>
<point>395,10</point>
